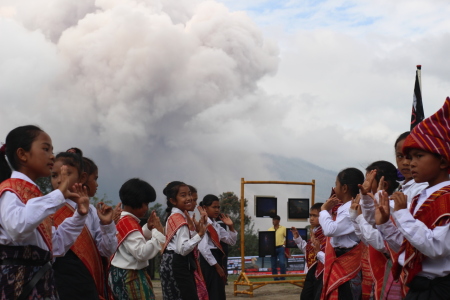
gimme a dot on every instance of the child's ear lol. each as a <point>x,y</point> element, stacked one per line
<point>444,163</point>
<point>385,185</point>
<point>173,201</point>
<point>83,177</point>
<point>344,188</point>
<point>21,155</point>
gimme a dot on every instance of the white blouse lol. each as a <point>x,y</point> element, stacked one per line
<point>19,222</point>
<point>205,246</point>
<point>181,242</point>
<point>137,249</point>
<point>104,235</point>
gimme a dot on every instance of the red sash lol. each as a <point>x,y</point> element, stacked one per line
<point>377,262</point>
<point>126,225</point>
<point>214,237</point>
<point>435,211</point>
<point>311,255</point>
<point>86,249</point>
<point>26,191</point>
<point>174,223</point>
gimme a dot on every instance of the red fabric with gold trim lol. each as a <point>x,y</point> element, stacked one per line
<point>26,191</point>
<point>86,249</point>
<point>339,270</point>
<point>126,225</point>
<point>174,222</point>
<point>377,261</point>
<point>432,134</point>
<point>435,211</point>
<point>214,237</point>
<point>367,280</point>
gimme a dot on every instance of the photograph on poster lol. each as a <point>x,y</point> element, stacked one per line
<point>265,206</point>
<point>266,241</point>
<point>298,208</point>
<point>290,237</point>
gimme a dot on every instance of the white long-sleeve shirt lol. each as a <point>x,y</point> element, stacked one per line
<point>433,243</point>
<point>137,249</point>
<point>19,222</point>
<point>181,242</point>
<point>369,234</point>
<point>104,235</point>
<point>206,245</point>
<point>341,231</point>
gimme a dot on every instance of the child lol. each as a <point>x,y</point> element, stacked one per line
<point>28,241</point>
<point>381,175</point>
<point>202,291</point>
<point>424,254</point>
<point>178,263</point>
<point>211,250</point>
<point>409,186</point>
<point>128,277</point>
<point>341,275</point>
<point>82,264</point>
<point>312,287</point>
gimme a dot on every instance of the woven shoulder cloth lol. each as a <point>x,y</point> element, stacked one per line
<point>212,232</point>
<point>174,222</point>
<point>435,211</point>
<point>26,191</point>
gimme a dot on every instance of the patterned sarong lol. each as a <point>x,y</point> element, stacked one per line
<point>14,277</point>
<point>130,284</point>
<point>168,284</point>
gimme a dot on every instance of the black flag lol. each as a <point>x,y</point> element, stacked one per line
<point>417,114</point>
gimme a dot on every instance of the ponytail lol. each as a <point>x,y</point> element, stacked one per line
<point>20,137</point>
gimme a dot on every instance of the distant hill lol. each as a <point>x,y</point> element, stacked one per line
<point>295,169</point>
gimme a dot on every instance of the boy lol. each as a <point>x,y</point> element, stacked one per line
<point>127,277</point>
<point>424,255</point>
<point>314,255</point>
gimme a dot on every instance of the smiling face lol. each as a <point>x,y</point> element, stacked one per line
<point>213,210</point>
<point>427,167</point>
<point>72,173</point>
<point>183,199</point>
<point>402,162</point>
<point>38,162</point>
<point>92,184</point>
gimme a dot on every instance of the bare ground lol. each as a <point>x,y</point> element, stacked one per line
<point>282,291</point>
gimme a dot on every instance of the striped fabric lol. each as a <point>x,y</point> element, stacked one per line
<point>130,284</point>
<point>432,134</point>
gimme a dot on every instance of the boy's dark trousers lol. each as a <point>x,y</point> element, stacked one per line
<point>312,288</point>
<point>422,288</point>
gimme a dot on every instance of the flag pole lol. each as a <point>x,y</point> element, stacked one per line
<point>419,75</point>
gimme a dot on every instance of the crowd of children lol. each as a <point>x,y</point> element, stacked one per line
<point>382,235</point>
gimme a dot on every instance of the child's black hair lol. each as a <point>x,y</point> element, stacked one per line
<point>401,137</point>
<point>72,157</point>
<point>351,177</point>
<point>20,137</point>
<point>317,206</point>
<point>136,192</point>
<point>192,189</point>
<point>89,166</point>
<point>171,192</point>
<point>208,200</point>
<point>388,170</point>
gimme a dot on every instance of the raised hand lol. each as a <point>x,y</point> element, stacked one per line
<point>316,245</point>
<point>192,223</point>
<point>355,205</point>
<point>366,187</point>
<point>153,222</point>
<point>330,203</point>
<point>381,184</point>
<point>65,187</point>
<point>382,209</point>
<point>117,211</point>
<point>294,232</point>
<point>227,221</point>
<point>81,198</point>
<point>203,214</point>
<point>105,213</point>
<point>400,200</point>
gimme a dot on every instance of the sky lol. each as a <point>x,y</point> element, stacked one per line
<point>208,92</point>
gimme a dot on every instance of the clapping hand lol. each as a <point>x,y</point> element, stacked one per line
<point>366,187</point>
<point>153,222</point>
<point>330,203</point>
<point>294,232</point>
<point>227,221</point>
<point>105,213</point>
<point>382,209</point>
<point>80,196</point>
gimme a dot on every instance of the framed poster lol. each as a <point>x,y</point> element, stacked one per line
<point>265,206</point>
<point>290,237</point>
<point>266,243</point>
<point>298,208</point>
